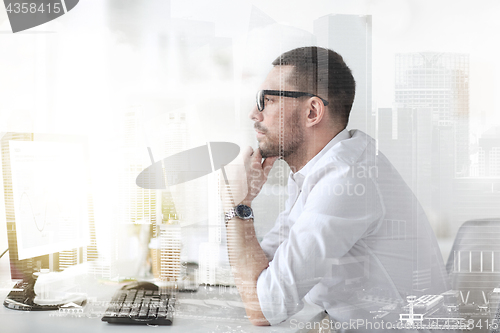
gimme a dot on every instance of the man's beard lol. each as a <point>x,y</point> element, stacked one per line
<point>292,139</point>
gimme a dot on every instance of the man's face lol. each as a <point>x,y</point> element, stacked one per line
<point>267,123</point>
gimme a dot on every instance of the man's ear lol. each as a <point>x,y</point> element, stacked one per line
<point>316,111</point>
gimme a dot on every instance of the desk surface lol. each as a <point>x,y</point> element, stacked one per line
<point>211,309</point>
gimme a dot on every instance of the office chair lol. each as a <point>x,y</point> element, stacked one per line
<point>474,261</point>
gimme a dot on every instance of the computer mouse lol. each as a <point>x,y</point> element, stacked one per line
<point>140,285</point>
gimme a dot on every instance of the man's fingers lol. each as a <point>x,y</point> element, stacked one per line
<point>247,153</point>
<point>257,155</point>
<point>256,159</point>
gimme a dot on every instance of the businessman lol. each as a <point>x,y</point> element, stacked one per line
<point>352,233</point>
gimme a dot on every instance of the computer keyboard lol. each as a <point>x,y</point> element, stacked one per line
<point>141,307</point>
<point>22,297</point>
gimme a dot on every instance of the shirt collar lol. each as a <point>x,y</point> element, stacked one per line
<point>299,176</point>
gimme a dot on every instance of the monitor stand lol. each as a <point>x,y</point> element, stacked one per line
<point>22,297</point>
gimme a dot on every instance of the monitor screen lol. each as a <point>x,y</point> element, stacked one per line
<point>46,193</point>
<point>49,196</point>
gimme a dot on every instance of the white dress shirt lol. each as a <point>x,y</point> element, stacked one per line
<point>352,233</point>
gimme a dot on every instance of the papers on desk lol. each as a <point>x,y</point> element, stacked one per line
<point>55,288</point>
<point>67,299</point>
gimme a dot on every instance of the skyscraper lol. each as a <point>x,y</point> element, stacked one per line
<point>405,137</point>
<point>477,196</point>
<point>489,154</point>
<point>351,37</point>
<point>437,84</point>
<point>139,205</point>
<point>439,81</point>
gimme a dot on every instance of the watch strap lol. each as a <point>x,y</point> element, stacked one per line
<point>230,214</point>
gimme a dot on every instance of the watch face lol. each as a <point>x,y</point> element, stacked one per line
<point>243,211</point>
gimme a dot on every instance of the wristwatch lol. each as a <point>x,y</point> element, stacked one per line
<point>242,211</point>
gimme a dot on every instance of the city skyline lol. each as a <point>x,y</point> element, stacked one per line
<point>398,26</point>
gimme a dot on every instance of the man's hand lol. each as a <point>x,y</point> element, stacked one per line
<point>246,176</point>
<point>246,257</point>
<point>256,172</point>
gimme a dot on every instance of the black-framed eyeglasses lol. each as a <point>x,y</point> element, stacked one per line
<point>294,94</point>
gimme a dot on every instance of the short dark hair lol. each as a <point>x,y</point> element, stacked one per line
<point>322,72</point>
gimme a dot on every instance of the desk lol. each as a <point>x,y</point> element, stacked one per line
<point>223,314</point>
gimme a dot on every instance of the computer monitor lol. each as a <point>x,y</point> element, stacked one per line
<point>48,204</point>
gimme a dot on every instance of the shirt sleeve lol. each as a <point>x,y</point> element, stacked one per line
<point>337,213</point>
<point>276,235</point>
